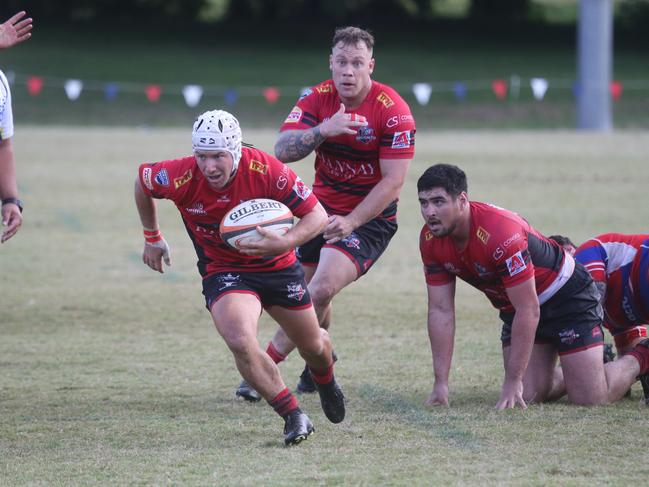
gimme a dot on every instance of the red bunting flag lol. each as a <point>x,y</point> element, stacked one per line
<point>499,88</point>
<point>616,90</point>
<point>153,93</point>
<point>34,85</point>
<point>271,94</point>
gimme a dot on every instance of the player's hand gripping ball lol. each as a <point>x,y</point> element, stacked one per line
<point>240,223</point>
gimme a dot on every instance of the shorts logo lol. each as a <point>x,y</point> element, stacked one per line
<point>516,264</point>
<point>301,189</point>
<point>401,140</point>
<point>162,178</point>
<point>365,135</point>
<point>326,88</point>
<point>568,337</point>
<point>146,177</point>
<point>281,182</point>
<point>483,235</point>
<point>259,167</point>
<point>295,291</point>
<point>385,99</point>
<point>228,280</point>
<point>352,241</point>
<point>294,116</point>
<point>178,182</point>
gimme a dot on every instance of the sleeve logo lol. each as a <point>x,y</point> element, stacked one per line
<point>294,116</point>
<point>178,182</point>
<point>162,178</point>
<point>516,264</point>
<point>401,140</point>
<point>146,177</point>
<point>384,99</point>
<point>301,189</point>
<point>258,166</point>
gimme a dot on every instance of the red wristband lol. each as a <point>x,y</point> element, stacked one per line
<point>152,236</point>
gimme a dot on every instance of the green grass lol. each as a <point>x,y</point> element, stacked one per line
<point>174,59</point>
<point>111,374</point>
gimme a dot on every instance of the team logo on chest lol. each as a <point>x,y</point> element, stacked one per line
<point>365,135</point>
<point>196,209</point>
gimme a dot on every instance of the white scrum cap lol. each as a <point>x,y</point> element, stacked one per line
<point>218,130</point>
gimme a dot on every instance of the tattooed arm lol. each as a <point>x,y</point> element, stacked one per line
<point>293,145</point>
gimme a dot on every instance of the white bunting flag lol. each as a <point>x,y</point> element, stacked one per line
<point>539,87</point>
<point>422,92</point>
<point>73,88</point>
<point>192,94</point>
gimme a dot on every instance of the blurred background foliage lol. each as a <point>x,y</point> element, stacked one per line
<point>244,46</point>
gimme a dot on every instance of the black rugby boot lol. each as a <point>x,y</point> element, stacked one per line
<point>305,384</point>
<point>332,400</point>
<point>247,392</point>
<point>297,427</point>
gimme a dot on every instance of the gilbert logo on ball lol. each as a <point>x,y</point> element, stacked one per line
<point>240,223</point>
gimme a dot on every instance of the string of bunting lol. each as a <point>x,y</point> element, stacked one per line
<point>192,93</point>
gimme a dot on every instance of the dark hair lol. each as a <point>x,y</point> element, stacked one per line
<point>562,240</point>
<point>352,36</point>
<point>446,176</point>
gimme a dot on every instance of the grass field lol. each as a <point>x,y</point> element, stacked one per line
<point>111,374</point>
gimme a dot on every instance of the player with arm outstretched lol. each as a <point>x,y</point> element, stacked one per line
<point>264,275</point>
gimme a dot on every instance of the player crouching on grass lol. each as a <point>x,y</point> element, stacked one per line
<point>619,265</point>
<point>239,285</point>
<point>548,303</point>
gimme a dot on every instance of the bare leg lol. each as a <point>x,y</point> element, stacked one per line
<point>541,382</point>
<point>589,381</point>
<point>235,316</point>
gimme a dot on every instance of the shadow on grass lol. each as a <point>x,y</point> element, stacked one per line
<point>440,422</point>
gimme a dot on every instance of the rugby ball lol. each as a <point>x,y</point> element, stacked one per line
<point>240,223</point>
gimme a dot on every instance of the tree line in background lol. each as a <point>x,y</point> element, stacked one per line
<point>631,15</point>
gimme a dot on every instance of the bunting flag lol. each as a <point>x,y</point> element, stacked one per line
<point>153,93</point>
<point>271,94</point>
<point>34,85</point>
<point>539,87</point>
<point>231,96</point>
<point>192,94</point>
<point>422,92</point>
<point>459,89</point>
<point>499,87</point>
<point>616,90</point>
<point>110,91</point>
<point>73,88</point>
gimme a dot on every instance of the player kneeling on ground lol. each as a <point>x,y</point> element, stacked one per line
<point>548,303</point>
<point>263,274</point>
<point>619,265</point>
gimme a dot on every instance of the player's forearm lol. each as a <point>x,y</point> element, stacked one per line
<point>441,333</point>
<point>381,195</point>
<point>146,208</point>
<point>523,332</point>
<point>294,145</point>
<point>8,186</point>
<point>310,225</point>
